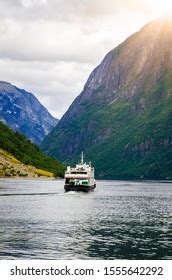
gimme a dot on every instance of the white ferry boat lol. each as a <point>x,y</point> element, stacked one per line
<point>80,177</point>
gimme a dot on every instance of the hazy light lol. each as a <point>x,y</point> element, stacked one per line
<point>161,7</point>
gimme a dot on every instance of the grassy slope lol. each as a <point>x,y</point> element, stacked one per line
<point>12,167</point>
<point>116,156</point>
<point>28,153</point>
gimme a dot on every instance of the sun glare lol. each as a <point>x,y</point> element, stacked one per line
<point>162,7</point>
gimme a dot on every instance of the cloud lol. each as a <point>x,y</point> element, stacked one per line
<point>54,84</point>
<point>50,41</point>
<point>71,10</point>
<point>50,46</point>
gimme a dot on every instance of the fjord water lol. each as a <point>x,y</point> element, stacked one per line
<point>119,220</point>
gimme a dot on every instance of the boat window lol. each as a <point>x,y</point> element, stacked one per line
<point>73,172</point>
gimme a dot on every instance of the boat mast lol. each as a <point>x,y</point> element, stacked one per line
<point>82,158</point>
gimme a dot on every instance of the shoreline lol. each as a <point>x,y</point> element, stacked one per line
<point>31,178</point>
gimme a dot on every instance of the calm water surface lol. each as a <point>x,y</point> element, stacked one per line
<point>119,220</point>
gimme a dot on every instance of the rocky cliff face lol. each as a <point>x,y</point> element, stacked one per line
<point>123,117</point>
<point>22,111</point>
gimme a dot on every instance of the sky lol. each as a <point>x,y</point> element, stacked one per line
<point>49,47</point>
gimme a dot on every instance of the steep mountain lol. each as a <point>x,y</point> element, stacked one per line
<point>24,151</point>
<point>122,119</point>
<point>22,111</point>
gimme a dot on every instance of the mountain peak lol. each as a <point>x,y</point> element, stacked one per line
<point>122,71</point>
<point>22,111</point>
<point>163,23</point>
<point>4,82</point>
<point>5,85</point>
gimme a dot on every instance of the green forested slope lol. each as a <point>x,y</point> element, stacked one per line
<point>140,145</point>
<point>27,152</point>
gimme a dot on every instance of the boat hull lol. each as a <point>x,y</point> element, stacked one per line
<point>79,188</point>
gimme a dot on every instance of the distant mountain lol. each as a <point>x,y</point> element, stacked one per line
<point>122,119</point>
<point>27,153</point>
<point>22,111</point>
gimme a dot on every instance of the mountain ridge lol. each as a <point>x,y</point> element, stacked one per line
<point>22,111</point>
<point>165,20</point>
